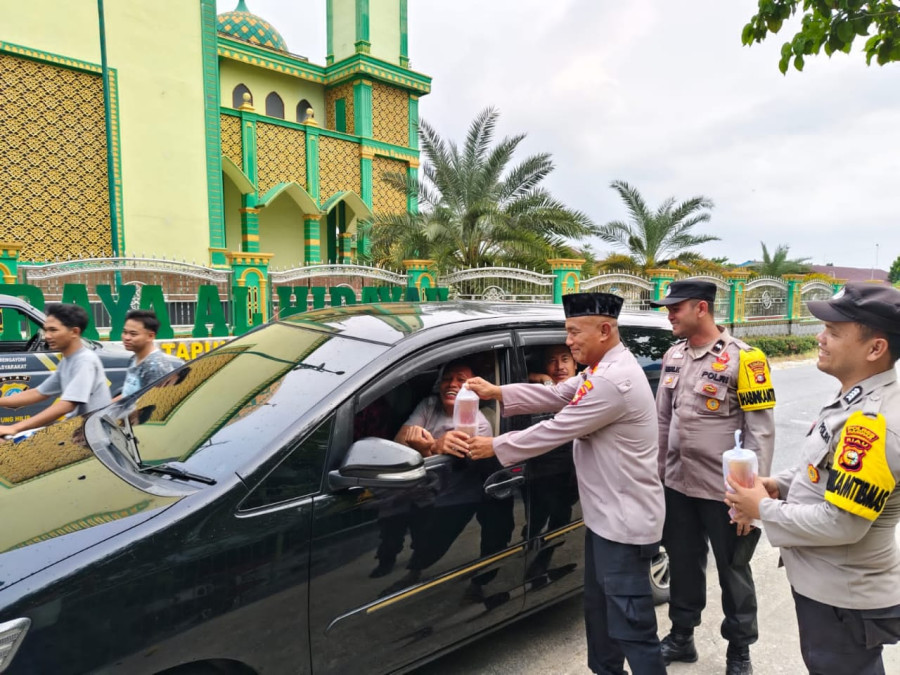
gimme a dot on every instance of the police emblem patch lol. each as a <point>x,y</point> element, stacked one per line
<point>718,366</point>
<point>712,404</point>
<point>858,440</point>
<point>710,389</point>
<point>813,473</point>
<point>758,368</point>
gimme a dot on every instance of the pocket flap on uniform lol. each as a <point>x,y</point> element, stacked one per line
<point>709,389</point>
<point>627,583</point>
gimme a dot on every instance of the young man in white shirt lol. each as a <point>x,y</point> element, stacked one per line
<point>79,382</point>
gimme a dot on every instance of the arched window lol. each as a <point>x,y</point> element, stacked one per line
<point>303,109</point>
<point>274,106</point>
<point>237,96</point>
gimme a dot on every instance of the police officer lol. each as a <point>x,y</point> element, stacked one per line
<point>608,411</point>
<point>834,515</point>
<point>712,384</point>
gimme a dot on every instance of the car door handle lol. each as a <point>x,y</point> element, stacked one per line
<point>503,489</point>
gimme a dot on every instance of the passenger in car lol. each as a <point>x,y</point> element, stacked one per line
<point>429,429</point>
<point>436,520</point>
<point>558,364</point>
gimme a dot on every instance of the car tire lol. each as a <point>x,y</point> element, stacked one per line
<point>659,577</point>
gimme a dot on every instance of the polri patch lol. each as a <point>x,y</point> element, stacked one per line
<point>712,404</point>
<point>813,473</point>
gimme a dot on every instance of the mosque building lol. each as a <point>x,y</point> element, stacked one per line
<point>210,142</point>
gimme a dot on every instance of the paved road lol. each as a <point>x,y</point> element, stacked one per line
<point>553,641</point>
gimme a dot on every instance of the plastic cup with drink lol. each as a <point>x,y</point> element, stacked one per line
<point>465,411</point>
<point>740,464</point>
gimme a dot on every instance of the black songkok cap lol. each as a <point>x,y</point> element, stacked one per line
<point>679,291</point>
<point>873,305</point>
<point>592,304</point>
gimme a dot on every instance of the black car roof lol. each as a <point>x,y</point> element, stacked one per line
<point>389,323</point>
<point>18,303</point>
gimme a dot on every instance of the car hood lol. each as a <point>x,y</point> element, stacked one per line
<point>53,490</point>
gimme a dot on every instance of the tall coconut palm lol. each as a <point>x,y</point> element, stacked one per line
<point>653,238</point>
<point>476,209</point>
<point>778,263</point>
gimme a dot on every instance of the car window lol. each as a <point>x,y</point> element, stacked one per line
<point>16,328</point>
<point>383,417</point>
<point>648,346</point>
<point>216,412</point>
<point>298,475</point>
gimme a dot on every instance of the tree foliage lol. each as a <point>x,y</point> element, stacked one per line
<point>777,264</point>
<point>894,273</point>
<point>654,237</point>
<point>830,26</point>
<point>476,209</point>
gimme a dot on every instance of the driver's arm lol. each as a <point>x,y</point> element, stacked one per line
<point>41,419</point>
<point>23,398</point>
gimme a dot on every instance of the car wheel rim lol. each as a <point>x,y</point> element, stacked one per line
<point>659,571</point>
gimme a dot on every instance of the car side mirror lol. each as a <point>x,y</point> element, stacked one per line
<point>501,484</point>
<point>378,463</point>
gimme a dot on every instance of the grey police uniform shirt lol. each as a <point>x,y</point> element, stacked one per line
<point>698,414</point>
<point>831,555</point>
<point>79,379</point>
<point>608,411</point>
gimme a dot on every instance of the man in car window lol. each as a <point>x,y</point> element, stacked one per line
<point>148,363</point>
<point>559,366</point>
<point>429,428</point>
<point>435,524</point>
<point>609,413</point>
<point>80,381</point>
<point>712,385</point>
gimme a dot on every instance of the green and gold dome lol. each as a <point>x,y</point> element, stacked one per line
<point>242,25</point>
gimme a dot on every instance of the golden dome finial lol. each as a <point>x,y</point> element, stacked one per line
<point>311,117</point>
<point>248,102</point>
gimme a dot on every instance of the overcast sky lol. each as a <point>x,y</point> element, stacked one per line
<point>661,94</point>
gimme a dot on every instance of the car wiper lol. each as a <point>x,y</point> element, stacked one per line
<point>176,472</point>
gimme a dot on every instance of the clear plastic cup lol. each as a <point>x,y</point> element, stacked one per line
<point>740,464</point>
<point>465,412</point>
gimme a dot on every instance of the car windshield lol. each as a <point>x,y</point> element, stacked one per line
<point>214,413</point>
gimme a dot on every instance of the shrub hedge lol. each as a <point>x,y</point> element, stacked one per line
<point>783,345</point>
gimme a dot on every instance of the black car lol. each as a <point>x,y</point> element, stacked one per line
<point>26,361</point>
<point>250,513</point>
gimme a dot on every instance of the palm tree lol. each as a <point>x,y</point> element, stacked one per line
<point>476,209</point>
<point>778,263</point>
<point>654,238</point>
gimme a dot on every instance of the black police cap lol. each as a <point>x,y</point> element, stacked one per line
<point>592,304</point>
<point>679,291</point>
<point>874,305</point>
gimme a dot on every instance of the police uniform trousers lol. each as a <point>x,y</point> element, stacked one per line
<point>619,615</point>
<point>693,526</point>
<point>837,641</point>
